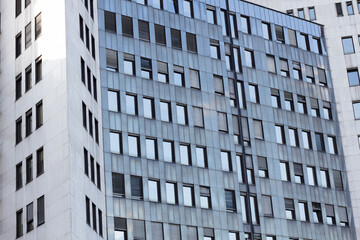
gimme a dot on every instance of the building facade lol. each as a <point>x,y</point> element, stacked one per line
<point>217,125</point>
<point>341,25</point>
<point>168,120</point>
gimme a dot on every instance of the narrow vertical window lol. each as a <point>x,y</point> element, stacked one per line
<point>29,217</point>
<point>41,210</point>
<point>28,123</point>
<point>81,27</point>
<point>38,69</point>
<point>18,45</point>
<point>100,222</point>
<point>18,130</point>
<point>19,223</point>
<point>87,202</point>
<point>18,86</point>
<point>127,26</point>
<point>28,35</point>
<point>29,169</point>
<point>38,27</point>
<point>94,217</point>
<point>111,61</point>
<point>19,182</point>
<point>18,7</point>
<point>144,32</point>
<point>175,38</point>
<point>39,114</point>
<point>84,115</point>
<point>28,78</point>
<point>160,36</point>
<point>110,21</point>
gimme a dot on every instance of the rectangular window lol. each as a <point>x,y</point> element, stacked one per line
<point>292,37</point>
<point>19,223</point>
<point>19,182</point>
<point>149,109</point>
<point>311,172</point>
<point>241,95</point>
<point>232,92</point>
<point>179,79</point>
<point>226,161</point>
<point>182,116</point>
<point>146,68</point>
<point>118,184</point>
<point>249,170</point>
<point>353,77</point>
<point>86,162</point>
<point>332,144</point>
<point>163,74</point>
<point>284,68</point>
<point>94,216</point>
<point>266,30</point>
<point>249,58</point>
<point>111,60</point>
<point>233,25</point>
<point>156,231</point>
<point>302,104</point>
<point>18,7</point>
<point>267,205</point>
<point>18,45</point>
<point>29,217</point>
<point>330,214</point>
<point>38,69</point>
<point>270,60</point>
<point>84,115</point>
<point>245,24</point>
<point>289,102</point>
<point>317,214</point>
<point>297,71</point>
<point>205,197</point>
<point>230,200</point>
<point>28,35</point>
<point>129,64</point>
<point>160,36</point>
<point>185,154</point>
<point>39,115</point>
<point>131,104</point>
<point>263,168</point>
<point>191,42</point>
<point>301,13</point>
<point>113,100</point>
<point>325,180</point>
<point>100,222</point>
<point>337,180</point>
<point>154,191</point>
<point>188,8</point>
<point>115,142</point>
<point>134,145</point>
<point>198,117</point>
<point>87,202</point>
<point>298,173</point>
<point>171,193</point>
<point>188,192</point>
<point>244,209</point>
<point>18,130</point>
<point>319,142</point>
<point>151,148</point>
<point>344,222</point>
<point>349,8</point>
<point>279,32</point>
<point>258,129</point>
<point>29,169</point>
<point>201,157</point>
<point>211,14</point>
<point>38,27</point>
<point>93,44</point>
<point>136,187</point>
<point>92,169</point>
<point>303,211</point>
<point>309,74</point>
<point>322,77</point>
<point>254,93</point>
<point>316,45</point>
<point>214,49</point>
<point>110,21</point>
<point>348,45</point>
<point>303,41</point>
<point>144,32</point>
<point>127,26</point>
<point>81,27</point>
<point>280,134</point>
<point>18,87</point>
<point>173,6</point>
<point>98,176</point>
<point>254,210</point>
<point>96,131</point>
<point>222,122</point>
<point>165,111</point>
<point>158,4</point>
<point>175,38</point>
<point>89,79</point>
<point>28,123</point>
<point>284,171</point>
<point>120,228</point>
<point>289,209</point>
<point>306,140</point>
<point>312,13</point>
<point>28,78</point>
<point>41,210</point>
<point>82,63</point>
<point>218,85</point>
<point>293,136</point>
<point>194,79</point>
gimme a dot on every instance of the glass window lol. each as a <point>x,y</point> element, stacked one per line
<point>249,58</point>
<point>18,45</point>
<point>275,98</point>
<point>241,94</point>
<point>344,222</point>
<point>127,26</point>
<point>254,94</point>
<point>111,60</point>
<point>18,7</point>
<point>337,180</point>
<point>28,78</point>
<point>312,13</point>
<point>266,30</point>
<point>223,22</point>
<point>151,148</point>
<point>353,77</point>
<point>284,67</point>
<point>290,12</point>
<point>174,232</point>
<point>154,190</point>
<point>113,100</point>
<point>332,144</point>
<point>28,35</point>
<point>136,187</point>
<point>245,24</point>
<point>243,207</point>
<point>191,42</point>
<point>194,79</point>
<point>181,115</point>
<point>311,172</point>
<point>29,169</point>
<point>30,217</point>
<point>330,215</point>
<point>289,209</point>
<point>233,25</point>
<point>319,142</point>
<point>218,85</point>
<point>160,37</point>
<point>303,41</point>
<point>214,49</point>
<point>322,77</point>
<point>149,109</point>
<point>309,74</point>
<point>211,14</point>
<point>168,149</point>
<point>19,182</point>
<point>201,157</point>
<point>222,122</point>
<point>118,184</point>
<point>129,64</point>
<point>298,173</point>
<point>301,104</point>
<point>317,215</point>
<point>28,122</point>
<point>294,140</point>
<point>18,130</point>
<point>339,10</point>
<point>205,197</point>
<point>254,210</point>
<point>280,136</point>
<point>144,32</point>
<point>303,211</point>
<point>233,236</point>
<point>306,139</point>
<point>279,32</point>
<point>163,74</point>
<point>188,8</point>
<point>165,112</point>
<point>225,161</point>
<point>249,170</point>
<point>284,171</point>
<point>158,4</point>
<point>40,210</point>
<point>301,13</point>
<point>297,71</point>
<point>198,117</point>
<point>175,38</point>
<point>110,21</point>
<point>267,205</point>
<point>188,192</point>
<point>131,104</point>
<point>263,168</point>
<point>289,102</point>
<point>173,6</point>
<point>270,60</point>
<point>139,229</point>
<point>19,221</point>
<point>134,146</point>
<point>325,180</point>
<point>38,27</point>
<point>179,76</point>
<point>185,156</point>
<point>18,87</point>
<point>292,37</point>
<point>171,193</point>
<point>230,201</point>
<point>350,8</point>
<point>258,129</point>
<point>348,45</point>
<point>146,69</point>
<point>115,142</point>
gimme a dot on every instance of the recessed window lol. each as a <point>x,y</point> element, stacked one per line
<point>317,214</point>
<point>301,13</point>
<point>292,37</point>
<point>349,8</point>
<point>40,210</point>
<point>241,95</point>
<point>250,170</point>
<point>131,104</point>
<point>266,30</point>
<point>302,104</point>
<point>163,74</point>
<point>289,102</point>
<point>338,183</point>
<point>344,221</point>
<point>28,123</point>
<point>144,32</point>
<point>214,49</point>
<point>158,4</point>
<point>263,167</point>
<point>188,8</point>
<point>38,27</point>
<point>181,113</point>
<point>18,7</point>
<point>18,45</point>
<point>311,172</point>
<point>18,130</point>
<point>303,211</point>
<point>332,144</point>
<point>309,74</point>
<point>28,78</point>
<point>330,214</point>
<point>154,190</point>
<point>113,100</point>
<point>171,193</point>
<point>165,111</point>
<point>129,64</point>
<point>218,85</point>
<point>233,25</point>
<point>244,208</point>
<point>111,60</point>
<point>168,150</point>
<point>258,129</point>
<point>205,197</point>
<point>175,38</point>
<point>115,142</point>
<point>230,200</point>
<point>267,205</point>
<point>249,58</point>
<point>173,6</point>
<point>146,68</point>
<point>289,209</point>
<point>280,134</point>
<point>225,161</point>
<point>275,98</point>
<point>198,117</point>
<point>191,42</point>
<point>30,217</point>
<point>211,14</point>
<point>134,145</point>
<point>271,66</point>
<point>222,122</point>
<point>18,86</point>
<point>298,173</point>
<point>201,157</point>
<point>312,13</point>
<point>179,79</point>
<point>138,229</point>
<point>297,71</point>
<point>127,26</point>
<point>279,32</point>
<point>339,10</point>
<point>293,136</point>
<point>19,223</point>
<point>353,77</point>
<point>254,93</point>
<point>19,181</point>
<point>185,155</point>
<point>110,21</point>
<point>28,35</point>
<point>232,92</point>
<point>151,148</point>
<point>149,109</point>
<point>348,45</point>
<point>87,207</point>
<point>188,193</point>
<point>325,179</point>
<point>118,185</point>
<point>284,171</point>
<point>303,41</point>
<point>245,24</point>
<point>160,37</point>
<point>306,139</point>
<point>322,77</point>
<point>315,112</point>
<point>194,79</point>
<point>136,187</point>
<point>284,68</point>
